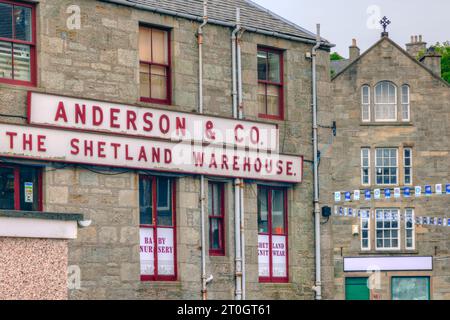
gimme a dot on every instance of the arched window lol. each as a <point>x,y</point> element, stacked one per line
<point>365,103</point>
<point>385,101</point>
<point>405,103</point>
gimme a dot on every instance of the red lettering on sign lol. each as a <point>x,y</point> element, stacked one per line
<point>97,116</point>
<point>61,112</point>
<point>113,118</point>
<point>74,144</point>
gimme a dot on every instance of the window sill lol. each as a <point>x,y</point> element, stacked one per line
<point>384,124</point>
<point>388,252</point>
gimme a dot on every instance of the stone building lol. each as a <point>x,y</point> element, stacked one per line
<point>392,115</point>
<point>141,58</point>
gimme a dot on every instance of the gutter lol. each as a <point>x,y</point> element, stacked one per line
<point>217,22</point>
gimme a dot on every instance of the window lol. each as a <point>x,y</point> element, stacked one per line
<point>387,229</point>
<point>365,229</point>
<point>20,188</point>
<point>270,83</point>
<point>216,210</point>
<point>157,229</point>
<point>407,166</point>
<point>409,229</point>
<point>405,103</point>
<point>272,237</point>
<point>385,102</point>
<point>155,73</point>
<point>410,288</point>
<point>386,166</point>
<point>17,43</point>
<point>365,166</point>
<point>365,103</point>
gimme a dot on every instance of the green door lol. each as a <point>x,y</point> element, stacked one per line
<point>357,289</point>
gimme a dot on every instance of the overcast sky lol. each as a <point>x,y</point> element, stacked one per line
<point>346,19</point>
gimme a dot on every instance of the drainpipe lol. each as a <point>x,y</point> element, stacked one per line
<point>242,185</point>
<point>318,286</point>
<point>202,178</point>
<point>237,182</point>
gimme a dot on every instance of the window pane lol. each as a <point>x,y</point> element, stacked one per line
<point>164,196</point>
<point>262,98</point>
<point>160,46</point>
<point>263,212</point>
<point>5,60</point>
<point>158,83</point>
<point>274,67</point>
<point>145,201</point>
<point>7,188</point>
<point>145,80</point>
<point>6,20</point>
<point>22,66</point>
<point>145,44</point>
<point>278,226</point>
<point>22,21</point>
<point>29,189</point>
<point>217,200</point>
<point>215,234</point>
<point>262,65</point>
<point>273,100</point>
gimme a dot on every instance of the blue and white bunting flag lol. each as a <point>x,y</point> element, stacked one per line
<point>397,193</point>
<point>428,191</point>
<point>407,192</point>
<point>337,197</point>
<point>348,196</point>
<point>387,193</point>
<point>418,191</point>
<point>368,195</point>
<point>438,189</point>
<point>356,195</point>
<point>377,194</point>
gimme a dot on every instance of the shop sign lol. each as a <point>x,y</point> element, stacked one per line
<point>91,115</point>
<point>79,147</point>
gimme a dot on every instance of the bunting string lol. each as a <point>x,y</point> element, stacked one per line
<point>348,212</point>
<point>392,193</point>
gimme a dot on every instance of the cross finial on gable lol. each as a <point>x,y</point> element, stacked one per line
<point>384,23</point>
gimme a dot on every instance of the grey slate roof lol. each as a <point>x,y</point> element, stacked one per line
<point>338,65</point>
<point>253,16</point>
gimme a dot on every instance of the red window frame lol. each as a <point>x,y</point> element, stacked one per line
<point>280,85</point>
<point>271,278</point>
<point>17,188</point>
<point>167,66</point>
<point>154,226</point>
<point>32,44</point>
<point>221,218</point>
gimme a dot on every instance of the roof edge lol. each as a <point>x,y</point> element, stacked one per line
<point>192,17</point>
<point>401,50</point>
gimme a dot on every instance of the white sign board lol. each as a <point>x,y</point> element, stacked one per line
<point>90,115</point>
<point>364,264</point>
<point>138,153</point>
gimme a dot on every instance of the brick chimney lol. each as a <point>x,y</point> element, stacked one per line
<point>354,51</point>
<point>432,60</point>
<point>415,46</point>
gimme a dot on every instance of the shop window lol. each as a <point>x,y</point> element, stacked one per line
<point>157,229</point>
<point>216,211</point>
<point>17,43</point>
<point>410,288</point>
<point>270,83</point>
<point>20,188</point>
<point>154,57</point>
<point>272,235</point>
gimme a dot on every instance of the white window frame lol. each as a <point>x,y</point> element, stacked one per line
<point>391,229</point>
<point>413,229</point>
<point>379,103</point>
<point>410,166</point>
<point>363,211</point>
<point>406,103</point>
<point>382,166</point>
<point>363,167</point>
<point>365,104</point>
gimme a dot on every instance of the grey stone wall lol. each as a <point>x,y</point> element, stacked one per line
<point>100,61</point>
<point>427,133</point>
